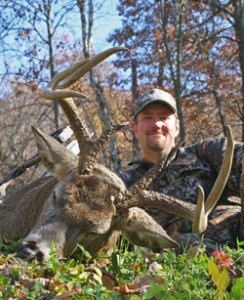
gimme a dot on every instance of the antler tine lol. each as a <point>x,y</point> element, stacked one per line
<point>86,162</point>
<point>89,64</point>
<point>223,174</point>
<point>203,210</point>
<point>142,183</point>
<point>200,220</point>
<point>66,102</point>
<point>67,77</point>
<point>53,92</point>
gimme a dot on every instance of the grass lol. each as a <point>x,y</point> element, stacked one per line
<point>138,274</point>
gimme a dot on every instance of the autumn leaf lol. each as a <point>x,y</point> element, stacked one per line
<point>220,278</point>
<point>22,34</point>
<point>222,260</point>
<point>127,289</point>
<point>138,267</point>
<point>21,294</point>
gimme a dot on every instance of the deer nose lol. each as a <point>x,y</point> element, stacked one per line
<point>29,251</point>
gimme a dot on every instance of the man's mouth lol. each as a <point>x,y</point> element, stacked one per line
<point>157,133</point>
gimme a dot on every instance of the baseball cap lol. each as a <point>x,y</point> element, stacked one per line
<point>155,95</point>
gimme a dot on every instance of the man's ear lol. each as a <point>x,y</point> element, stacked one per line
<point>177,126</point>
<point>135,127</point>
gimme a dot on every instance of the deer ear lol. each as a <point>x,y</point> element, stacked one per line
<point>140,229</point>
<point>56,158</point>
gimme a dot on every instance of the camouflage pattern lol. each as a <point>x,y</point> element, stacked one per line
<point>195,165</point>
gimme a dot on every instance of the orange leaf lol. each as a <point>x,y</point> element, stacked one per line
<point>126,289</point>
<point>222,260</point>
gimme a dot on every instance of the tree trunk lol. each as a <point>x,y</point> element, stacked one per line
<point>239,27</point>
<point>219,106</point>
<point>175,66</point>
<point>57,121</point>
<point>242,203</point>
<point>177,81</point>
<point>135,95</point>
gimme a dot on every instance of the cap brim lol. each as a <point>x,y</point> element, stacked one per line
<point>172,107</point>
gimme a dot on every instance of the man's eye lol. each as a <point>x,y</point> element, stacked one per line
<point>163,118</point>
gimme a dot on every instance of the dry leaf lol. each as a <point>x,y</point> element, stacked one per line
<point>127,289</point>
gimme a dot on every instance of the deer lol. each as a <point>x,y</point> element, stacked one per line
<point>82,201</point>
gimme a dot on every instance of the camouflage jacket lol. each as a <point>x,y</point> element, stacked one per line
<point>198,164</point>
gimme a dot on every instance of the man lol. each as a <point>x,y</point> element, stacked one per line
<point>156,127</point>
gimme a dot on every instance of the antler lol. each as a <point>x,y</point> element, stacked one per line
<point>199,213</point>
<point>55,91</point>
<point>203,210</point>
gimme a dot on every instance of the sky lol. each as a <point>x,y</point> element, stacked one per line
<point>107,20</point>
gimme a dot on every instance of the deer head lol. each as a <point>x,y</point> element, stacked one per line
<point>90,204</point>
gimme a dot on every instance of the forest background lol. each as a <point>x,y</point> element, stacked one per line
<point>192,49</point>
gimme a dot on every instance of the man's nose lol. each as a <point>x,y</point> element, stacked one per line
<point>158,123</point>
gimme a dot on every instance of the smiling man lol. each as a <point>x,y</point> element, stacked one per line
<point>156,127</point>
<point>156,124</point>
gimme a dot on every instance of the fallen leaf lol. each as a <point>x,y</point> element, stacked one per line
<point>127,289</point>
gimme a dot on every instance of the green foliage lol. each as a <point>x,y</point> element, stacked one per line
<point>138,274</point>
<point>6,246</point>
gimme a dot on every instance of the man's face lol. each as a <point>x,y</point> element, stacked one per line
<point>156,128</point>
